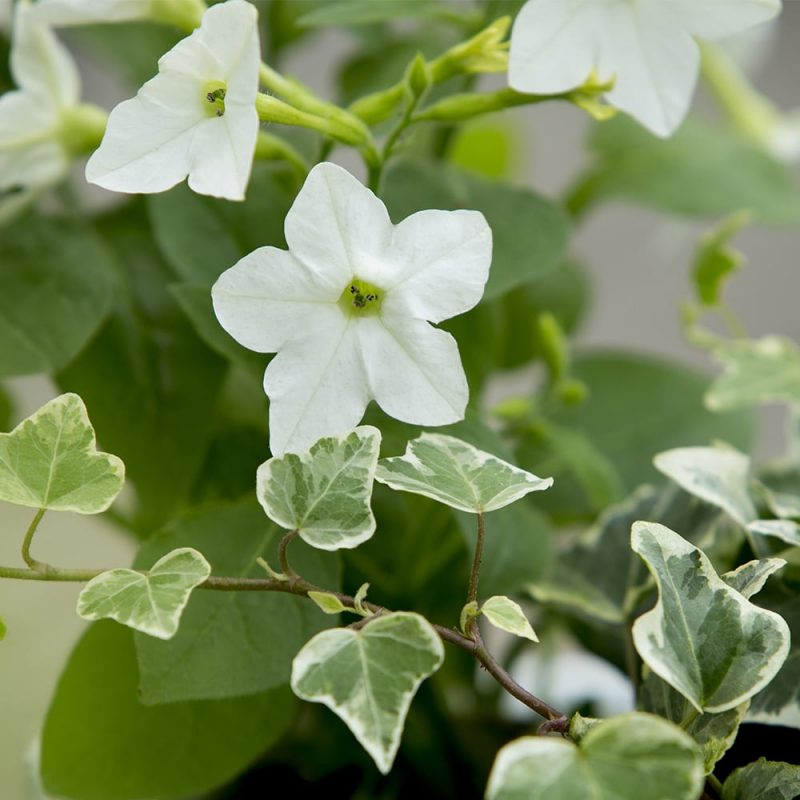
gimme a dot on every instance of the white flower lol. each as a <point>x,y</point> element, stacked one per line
<point>197,117</point>
<point>348,307</point>
<point>647,46</point>
<point>185,13</point>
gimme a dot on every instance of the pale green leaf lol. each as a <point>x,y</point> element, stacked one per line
<point>786,530</point>
<point>703,637</point>
<point>749,578</point>
<point>327,603</point>
<point>324,494</point>
<point>715,259</point>
<point>151,603</point>
<point>763,780</point>
<point>505,614</point>
<point>368,677</point>
<point>762,371</point>
<point>719,476</point>
<point>50,460</point>
<point>457,474</point>
<point>631,757</point>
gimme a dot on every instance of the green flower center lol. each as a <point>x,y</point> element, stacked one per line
<point>214,98</point>
<point>360,298</point>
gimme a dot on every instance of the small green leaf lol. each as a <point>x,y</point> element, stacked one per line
<point>717,475</point>
<point>3,629</point>
<point>468,613</point>
<point>324,494</point>
<point>762,371</point>
<point>50,461</point>
<point>763,780</point>
<point>327,603</point>
<point>457,474</point>
<point>151,603</point>
<point>505,614</point>
<point>369,677</point>
<point>705,639</point>
<point>359,598</point>
<point>715,260</point>
<point>786,530</point>
<point>631,757</point>
<point>749,578</point>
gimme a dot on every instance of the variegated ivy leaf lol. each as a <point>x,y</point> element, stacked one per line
<point>719,476</point>
<point>327,603</point>
<point>763,780</point>
<point>151,603</point>
<point>457,474</point>
<point>324,494</point>
<point>630,757</point>
<point>368,677</point>
<point>703,637</point>
<point>786,530</point>
<point>749,579</point>
<point>506,615</point>
<point>50,460</point>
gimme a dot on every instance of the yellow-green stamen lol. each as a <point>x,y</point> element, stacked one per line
<point>361,298</point>
<point>214,98</point>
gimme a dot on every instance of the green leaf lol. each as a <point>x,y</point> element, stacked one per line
<point>688,174</point>
<point>506,615</point>
<point>718,475</point>
<point>631,757</point>
<point>366,12</point>
<point>530,235</point>
<point>749,578</point>
<point>151,603</point>
<point>784,529</point>
<point>763,780</point>
<point>368,677</point>
<point>457,474</point>
<point>3,629</point>
<point>123,750</point>
<point>705,639</point>
<point>231,643</point>
<point>56,288</point>
<point>50,460</point>
<point>324,494</point>
<point>715,733</point>
<point>715,260</point>
<point>327,603</point>
<point>762,371</point>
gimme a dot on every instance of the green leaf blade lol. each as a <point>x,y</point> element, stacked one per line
<point>763,780</point>
<point>507,615</point>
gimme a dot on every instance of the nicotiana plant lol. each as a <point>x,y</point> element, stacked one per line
<point>300,546</point>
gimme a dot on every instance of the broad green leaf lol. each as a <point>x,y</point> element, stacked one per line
<point>688,174</point>
<point>762,371</point>
<point>507,615</point>
<point>631,757</point>
<point>369,677</point>
<point>324,494</point>
<point>719,476</point>
<point>327,603</point>
<point>151,603</point>
<point>763,780</point>
<point>749,578</point>
<point>784,529</point>
<point>457,474</point>
<point>529,234</point>
<point>716,260</point>
<point>50,460</point>
<point>231,643</point>
<point>56,288</point>
<point>123,750</point>
<point>703,637</point>
<point>715,733</point>
<point>365,12</point>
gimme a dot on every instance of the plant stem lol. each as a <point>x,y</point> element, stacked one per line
<point>472,592</point>
<point>283,556</point>
<point>26,542</point>
<point>715,783</point>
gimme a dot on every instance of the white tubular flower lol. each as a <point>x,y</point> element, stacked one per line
<point>348,308</point>
<point>646,46</point>
<point>197,117</point>
<point>183,13</point>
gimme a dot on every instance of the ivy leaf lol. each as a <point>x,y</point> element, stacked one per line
<point>749,578</point>
<point>704,638</point>
<point>507,615</point>
<point>327,603</point>
<point>763,780</point>
<point>718,476</point>
<point>630,757</point>
<point>50,461</point>
<point>368,677</point>
<point>151,603</point>
<point>457,474</point>
<point>324,494</point>
<point>784,529</point>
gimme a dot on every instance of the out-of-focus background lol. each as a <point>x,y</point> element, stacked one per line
<point>639,263</point>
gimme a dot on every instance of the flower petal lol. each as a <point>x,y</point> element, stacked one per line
<point>267,298</point>
<point>413,369</point>
<point>715,19</point>
<point>316,383</point>
<point>440,261</point>
<point>338,226</point>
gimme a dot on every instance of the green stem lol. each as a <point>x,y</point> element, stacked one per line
<point>283,554</point>
<point>472,592</point>
<point>715,783</point>
<point>26,542</point>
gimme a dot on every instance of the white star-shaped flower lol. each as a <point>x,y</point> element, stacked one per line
<point>348,306</point>
<point>647,46</point>
<point>197,117</point>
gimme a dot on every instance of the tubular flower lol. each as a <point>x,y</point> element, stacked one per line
<point>348,310</point>
<point>183,13</point>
